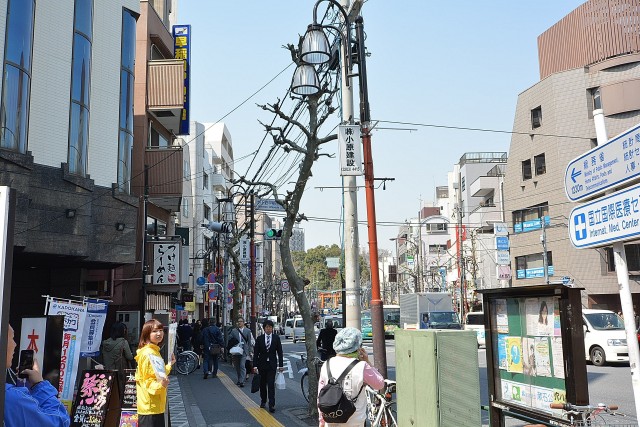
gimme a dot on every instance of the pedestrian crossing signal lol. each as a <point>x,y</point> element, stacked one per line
<point>272,233</point>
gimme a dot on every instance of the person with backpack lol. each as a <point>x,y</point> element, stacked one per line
<point>213,343</point>
<point>342,379</point>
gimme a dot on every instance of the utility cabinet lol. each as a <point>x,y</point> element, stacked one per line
<point>438,378</point>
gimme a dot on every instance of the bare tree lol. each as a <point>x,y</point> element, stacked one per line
<point>320,109</point>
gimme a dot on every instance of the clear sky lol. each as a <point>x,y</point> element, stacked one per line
<point>452,63</point>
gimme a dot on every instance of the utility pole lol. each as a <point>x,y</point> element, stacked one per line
<point>420,254</point>
<point>252,261</point>
<point>143,251</point>
<point>350,196</point>
<point>460,246</point>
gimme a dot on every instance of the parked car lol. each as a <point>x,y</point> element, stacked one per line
<point>298,329</point>
<point>474,321</point>
<point>604,337</point>
<point>288,328</point>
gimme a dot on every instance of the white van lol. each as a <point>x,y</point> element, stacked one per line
<point>288,328</point>
<point>298,329</point>
<point>474,321</point>
<point>336,320</point>
<point>604,337</point>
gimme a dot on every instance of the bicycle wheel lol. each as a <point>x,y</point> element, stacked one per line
<point>304,385</point>
<point>372,408</point>
<point>185,363</point>
<point>195,361</point>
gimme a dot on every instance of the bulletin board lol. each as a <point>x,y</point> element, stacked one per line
<point>535,351</point>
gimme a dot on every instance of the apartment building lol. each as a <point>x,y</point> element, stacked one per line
<point>64,119</point>
<point>588,60</point>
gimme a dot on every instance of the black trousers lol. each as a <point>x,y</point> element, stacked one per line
<point>267,384</point>
<point>156,420</point>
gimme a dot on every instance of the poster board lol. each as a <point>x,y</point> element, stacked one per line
<point>43,335</point>
<point>535,351</point>
<point>97,401</point>
<point>128,403</point>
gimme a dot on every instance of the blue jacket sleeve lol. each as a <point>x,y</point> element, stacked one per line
<point>36,407</point>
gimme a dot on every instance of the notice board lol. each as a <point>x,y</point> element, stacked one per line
<point>535,350</point>
<point>97,401</point>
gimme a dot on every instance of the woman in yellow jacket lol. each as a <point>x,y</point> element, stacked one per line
<point>152,376</point>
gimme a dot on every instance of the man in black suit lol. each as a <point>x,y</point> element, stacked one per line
<point>267,347</point>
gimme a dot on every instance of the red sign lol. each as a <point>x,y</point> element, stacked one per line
<point>211,277</point>
<point>213,294</point>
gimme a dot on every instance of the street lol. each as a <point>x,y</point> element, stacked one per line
<point>220,402</point>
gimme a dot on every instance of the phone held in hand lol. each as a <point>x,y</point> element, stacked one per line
<point>26,362</point>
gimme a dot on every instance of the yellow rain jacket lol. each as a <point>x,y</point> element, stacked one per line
<point>152,396</point>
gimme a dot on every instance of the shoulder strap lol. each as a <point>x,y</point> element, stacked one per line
<point>344,373</point>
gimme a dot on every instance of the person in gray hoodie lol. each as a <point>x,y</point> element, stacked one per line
<point>116,352</point>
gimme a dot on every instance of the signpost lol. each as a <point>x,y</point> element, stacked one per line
<point>268,205</point>
<point>611,164</point>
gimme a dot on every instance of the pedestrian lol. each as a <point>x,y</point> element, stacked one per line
<point>152,376</point>
<point>211,335</point>
<point>245,338</point>
<point>348,346</point>
<point>268,348</point>
<point>185,332</point>
<point>116,353</point>
<point>325,340</point>
<point>197,343</point>
<point>33,401</point>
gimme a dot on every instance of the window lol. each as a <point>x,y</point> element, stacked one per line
<point>532,266</point>
<point>207,243</point>
<point>633,259</point>
<point>437,249</point>
<point>526,169</point>
<point>536,117</point>
<point>205,180</point>
<point>14,114</point>
<point>125,140</point>
<point>529,219</point>
<point>185,207</point>
<point>157,140</point>
<point>441,226</point>
<point>596,101</point>
<point>539,164</point>
<point>80,84</point>
<point>207,211</point>
<point>462,183</point>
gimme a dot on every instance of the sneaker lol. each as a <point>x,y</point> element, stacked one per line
<point>263,404</point>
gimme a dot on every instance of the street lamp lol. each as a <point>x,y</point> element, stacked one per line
<point>315,50</point>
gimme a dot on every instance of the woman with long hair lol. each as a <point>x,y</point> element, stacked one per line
<point>152,376</point>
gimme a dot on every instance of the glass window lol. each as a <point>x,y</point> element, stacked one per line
<point>127,58</point>
<point>78,139</point>
<point>81,69</point>
<point>13,113</point>
<point>157,140</point>
<point>595,98</point>
<point>536,117</point>
<point>20,33</point>
<point>83,20</point>
<point>185,207</point>
<point>205,180</point>
<point>540,164</point>
<point>526,169</point>
<point>207,211</point>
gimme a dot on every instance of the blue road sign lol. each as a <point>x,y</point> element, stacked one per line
<point>609,219</point>
<point>609,165</point>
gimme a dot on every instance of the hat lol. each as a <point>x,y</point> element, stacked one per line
<point>347,341</point>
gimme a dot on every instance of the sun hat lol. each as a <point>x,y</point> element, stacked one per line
<point>348,340</point>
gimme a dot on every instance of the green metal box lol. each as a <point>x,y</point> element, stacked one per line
<point>438,378</point>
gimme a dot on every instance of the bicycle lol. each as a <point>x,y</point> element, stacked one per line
<point>304,370</point>
<point>380,405</point>
<point>594,416</point>
<point>187,362</point>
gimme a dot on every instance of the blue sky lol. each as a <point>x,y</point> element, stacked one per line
<point>457,64</point>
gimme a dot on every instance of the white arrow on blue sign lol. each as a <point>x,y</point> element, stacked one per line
<point>608,165</point>
<point>609,219</point>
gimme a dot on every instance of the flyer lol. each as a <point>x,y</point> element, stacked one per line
<point>502,351</point>
<point>543,363</point>
<point>502,318</point>
<point>558,357</point>
<point>557,331</point>
<point>529,356</point>
<point>158,366</point>
<point>514,354</point>
<point>516,392</point>
<point>531,315</point>
<point>539,316</point>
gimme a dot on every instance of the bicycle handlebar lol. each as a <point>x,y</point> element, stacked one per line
<point>557,406</point>
<point>570,407</point>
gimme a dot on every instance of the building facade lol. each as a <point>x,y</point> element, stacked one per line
<point>554,124</point>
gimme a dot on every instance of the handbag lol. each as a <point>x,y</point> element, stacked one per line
<point>215,349</point>
<point>280,382</point>
<point>237,350</point>
<point>255,383</point>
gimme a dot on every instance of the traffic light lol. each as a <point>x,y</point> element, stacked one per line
<point>272,233</point>
<point>219,227</point>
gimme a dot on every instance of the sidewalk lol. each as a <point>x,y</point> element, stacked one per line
<point>220,402</point>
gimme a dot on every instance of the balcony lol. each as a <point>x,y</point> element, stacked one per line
<point>217,182</point>
<point>485,215</point>
<point>165,91</point>
<point>484,186</point>
<point>165,176</point>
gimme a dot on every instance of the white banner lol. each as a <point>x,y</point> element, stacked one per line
<point>166,263</point>
<point>244,249</point>
<point>93,326</point>
<point>32,337</point>
<point>74,318</point>
<point>350,148</point>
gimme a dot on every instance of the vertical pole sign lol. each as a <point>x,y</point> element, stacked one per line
<point>7,221</point>
<point>182,50</point>
<point>350,150</point>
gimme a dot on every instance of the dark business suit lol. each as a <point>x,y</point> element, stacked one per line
<point>265,361</point>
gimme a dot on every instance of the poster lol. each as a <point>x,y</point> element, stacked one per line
<point>129,397</point>
<point>32,337</point>
<point>529,356</point>
<point>158,366</point>
<point>74,317</point>
<point>92,399</point>
<point>557,331</point>
<point>541,398</point>
<point>558,357</point>
<point>502,318</point>
<point>543,362</point>
<point>502,351</point>
<point>514,354</point>
<point>516,392</point>
<point>171,341</point>
<point>539,314</point>
<point>93,326</point>
<point>128,419</point>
